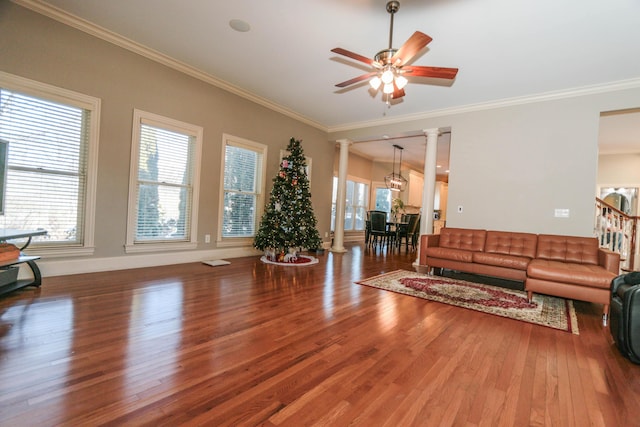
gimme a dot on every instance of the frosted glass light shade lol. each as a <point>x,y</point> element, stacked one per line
<point>375,82</point>
<point>388,88</point>
<point>387,76</point>
<point>401,82</point>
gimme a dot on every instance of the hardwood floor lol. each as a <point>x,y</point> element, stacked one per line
<point>256,344</point>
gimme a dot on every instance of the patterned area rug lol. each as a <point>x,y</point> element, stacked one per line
<point>556,313</point>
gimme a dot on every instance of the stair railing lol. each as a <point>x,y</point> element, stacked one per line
<point>617,232</point>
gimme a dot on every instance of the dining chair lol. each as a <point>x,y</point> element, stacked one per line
<point>407,230</point>
<point>415,233</point>
<point>379,233</point>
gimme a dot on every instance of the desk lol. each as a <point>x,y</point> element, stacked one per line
<point>11,234</point>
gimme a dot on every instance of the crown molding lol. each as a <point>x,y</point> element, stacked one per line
<point>85,26</point>
<point>501,103</point>
<point>66,18</point>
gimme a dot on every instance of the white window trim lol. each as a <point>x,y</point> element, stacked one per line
<point>79,100</point>
<point>358,181</point>
<point>262,174</point>
<point>139,118</point>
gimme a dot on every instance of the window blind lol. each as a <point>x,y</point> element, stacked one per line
<point>47,166</point>
<point>165,185</point>
<point>240,191</point>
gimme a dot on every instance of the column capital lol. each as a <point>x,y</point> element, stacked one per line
<point>431,132</point>
<point>344,142</point>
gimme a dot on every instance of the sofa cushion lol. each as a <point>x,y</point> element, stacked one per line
<point>462,238</point>
<point>450,254</point>
<point>581,250</point>
<point>502,260</point>
<point>567,272</point>
<point>510,243</point>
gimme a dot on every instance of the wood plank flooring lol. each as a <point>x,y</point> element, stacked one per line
<point>255,344</point>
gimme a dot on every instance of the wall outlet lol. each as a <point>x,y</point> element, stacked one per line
<point>460,209</point>
<point>561,213</point>
<point>326,234</point>
<point>207,238</point>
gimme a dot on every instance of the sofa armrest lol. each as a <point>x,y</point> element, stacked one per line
<point>427,241</point>
<point>609,260</point>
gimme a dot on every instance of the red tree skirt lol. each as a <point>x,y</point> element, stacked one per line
<point>301,260</point>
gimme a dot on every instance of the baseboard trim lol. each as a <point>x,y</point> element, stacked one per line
<point>56,267</point>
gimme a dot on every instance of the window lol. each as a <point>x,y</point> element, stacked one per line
<point>51,169</point>
<point>355,205</point>
<point>163,190</point>
<point>383,198</point>
<point>242,189</point>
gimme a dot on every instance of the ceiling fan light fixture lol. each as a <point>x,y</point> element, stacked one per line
<point>388,63</point>
<point>387,76</point>
<point>375,82</point>
<point>401,82</point>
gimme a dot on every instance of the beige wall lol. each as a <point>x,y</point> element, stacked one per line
<point>359,167</point>
<point>41,49</point>
<point>619,170</point>
<point>511,167</point>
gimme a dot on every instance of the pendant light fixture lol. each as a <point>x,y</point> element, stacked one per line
<point>395,181</point>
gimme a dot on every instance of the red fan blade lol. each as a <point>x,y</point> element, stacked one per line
<point>409,49</point>
<point>435,72</point>
<point>352,55</point>
<point>356,80</point>
<point>397,92</point>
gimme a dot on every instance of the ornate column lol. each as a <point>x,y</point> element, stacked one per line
<point>338,233</point>
<point>428,191</point>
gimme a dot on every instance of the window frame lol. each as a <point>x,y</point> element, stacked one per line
<point>141,117</point>
<point>367,194</point>
<point>372,197</point>
<point>93,106</point>
<point>261,175</point>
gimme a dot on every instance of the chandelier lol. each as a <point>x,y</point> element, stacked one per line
<point>395,181</point>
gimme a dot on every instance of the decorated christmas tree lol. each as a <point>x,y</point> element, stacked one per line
<point>288,223</point>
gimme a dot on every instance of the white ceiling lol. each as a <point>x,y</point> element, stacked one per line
<point>504,49</point>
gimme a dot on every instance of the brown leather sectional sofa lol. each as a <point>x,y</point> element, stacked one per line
<point>565,266</point>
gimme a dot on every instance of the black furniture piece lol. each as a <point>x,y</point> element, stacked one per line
<point>9,268</point>
<point>625,315</point>
<point>368,238</point>
<point>407,229</point>
<point>379,232</point>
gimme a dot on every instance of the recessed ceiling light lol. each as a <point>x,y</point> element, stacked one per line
<point>438,166</point>
<point>239,25</point>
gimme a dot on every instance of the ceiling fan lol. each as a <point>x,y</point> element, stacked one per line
<point>390,64</point>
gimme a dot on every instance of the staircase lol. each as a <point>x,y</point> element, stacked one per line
<point>618,232</point>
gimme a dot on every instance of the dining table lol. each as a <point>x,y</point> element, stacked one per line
<point>393,228</point>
